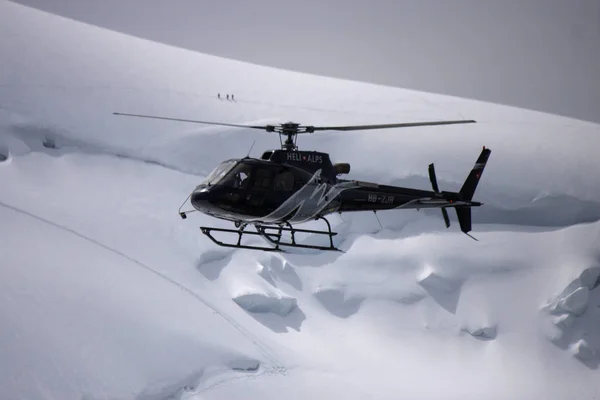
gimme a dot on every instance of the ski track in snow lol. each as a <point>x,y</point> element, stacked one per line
<point>276,367</point>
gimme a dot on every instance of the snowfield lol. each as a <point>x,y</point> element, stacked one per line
<point>105,293</point>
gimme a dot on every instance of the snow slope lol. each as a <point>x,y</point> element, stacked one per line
<point>106,293</point>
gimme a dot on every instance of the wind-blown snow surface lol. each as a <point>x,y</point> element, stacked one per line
<point>106,293</point>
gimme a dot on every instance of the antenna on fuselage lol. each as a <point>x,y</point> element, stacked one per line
<point>375,212</point>
<point>251,147</point>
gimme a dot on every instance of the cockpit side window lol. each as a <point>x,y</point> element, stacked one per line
<point>284,181</point>
<point>301,178</point>
<point>263,179</point>
<point>262,186</point>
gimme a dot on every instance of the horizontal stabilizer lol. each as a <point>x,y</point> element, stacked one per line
<point>464,218</point>
<point>446,218</point>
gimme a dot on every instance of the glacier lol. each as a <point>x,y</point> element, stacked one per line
<point>106,293</point>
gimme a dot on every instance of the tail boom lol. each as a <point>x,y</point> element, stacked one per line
<point>369,196</point>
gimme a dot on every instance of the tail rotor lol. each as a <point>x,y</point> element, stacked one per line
<point>462,201</point>
<point>436,189</point>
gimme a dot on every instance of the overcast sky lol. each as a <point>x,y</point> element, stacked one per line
<point>539,54</point>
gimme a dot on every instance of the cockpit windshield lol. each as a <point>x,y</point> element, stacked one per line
<point>218,173</point>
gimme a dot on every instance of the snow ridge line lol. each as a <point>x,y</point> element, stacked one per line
<point>49,139</point>
<point>183,93</point>
<point>277,366</point>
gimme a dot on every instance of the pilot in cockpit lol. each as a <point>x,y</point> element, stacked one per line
<point>242,178</point>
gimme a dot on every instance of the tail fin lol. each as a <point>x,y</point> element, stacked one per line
<point>463,213</point>
<point>468,189</point>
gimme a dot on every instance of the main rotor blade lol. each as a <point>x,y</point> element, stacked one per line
<point>192,120</point>
<point>385,126</point>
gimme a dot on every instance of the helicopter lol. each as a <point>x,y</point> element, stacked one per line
<point>288,186</point>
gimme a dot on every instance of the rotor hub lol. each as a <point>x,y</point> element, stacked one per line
<point>291,130</point>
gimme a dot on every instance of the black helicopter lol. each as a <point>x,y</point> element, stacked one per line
<point>288,186</point>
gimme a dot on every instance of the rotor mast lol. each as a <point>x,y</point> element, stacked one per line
<point>289,129</point>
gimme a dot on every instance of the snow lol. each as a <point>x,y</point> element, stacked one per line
<point>261,295</point>
<point>576,302</point>
<point>106,293</point>
<point>590,278</point>
<point>582,350</point>
<point>484,333</point>
<point>260,302</point>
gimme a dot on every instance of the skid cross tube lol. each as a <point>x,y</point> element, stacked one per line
<point>269,236</point>
<point>207,231</point>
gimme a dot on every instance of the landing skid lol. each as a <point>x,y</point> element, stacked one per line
<point>274,235</point>
<point>207,231</point>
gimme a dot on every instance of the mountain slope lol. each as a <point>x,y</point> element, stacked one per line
<point>106,293</point>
